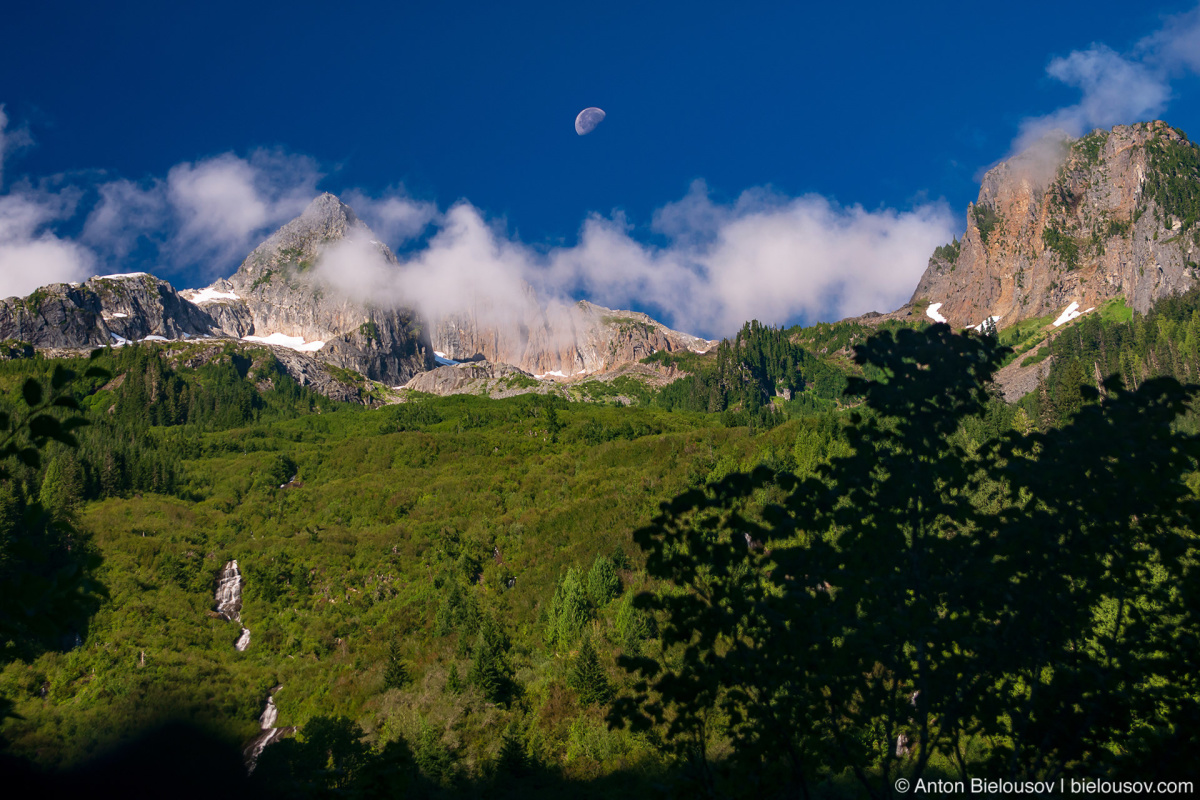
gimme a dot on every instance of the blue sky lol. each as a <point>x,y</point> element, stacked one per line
<point>835,142</point>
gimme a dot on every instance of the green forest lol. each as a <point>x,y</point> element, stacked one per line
<point>826,560</point>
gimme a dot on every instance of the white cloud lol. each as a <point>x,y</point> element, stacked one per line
<point>765,256</point>
<point>125,212</point>
<point>31,255</point>
<point>395,216</point>
<point>222,205</point>
<point>208,214</point>
<point>1116,88</point>
<point>10,140</point>
<point>1176,46</point>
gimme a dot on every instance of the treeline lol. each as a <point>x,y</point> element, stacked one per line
<point>759,364</point>
<point>1165,342</point>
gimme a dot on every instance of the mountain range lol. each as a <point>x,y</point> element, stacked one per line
<point>1056,231</point>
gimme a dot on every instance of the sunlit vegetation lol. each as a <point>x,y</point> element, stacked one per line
<point>713,587</point>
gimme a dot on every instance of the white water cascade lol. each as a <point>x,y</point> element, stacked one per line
<point>229,600</point>
<point>269,732</point>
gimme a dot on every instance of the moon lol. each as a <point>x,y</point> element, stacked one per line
<point>587,120</point>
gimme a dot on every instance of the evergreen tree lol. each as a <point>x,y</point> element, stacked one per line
<point>490,668</point>
<point>569,612</point>
<point>512,761</point>
<point>588,677</point>
<point>603,583</point>
<point>395,673</point>
<point>62,488</point>
<point>454,684</point>
<point>633,627</point>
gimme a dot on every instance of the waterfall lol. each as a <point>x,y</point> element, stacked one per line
<point>229,600</point>
<point>269,733</point>
<point>269,715</point>
<point>229,592</point>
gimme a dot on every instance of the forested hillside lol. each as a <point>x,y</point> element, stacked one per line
<point>785,573</point>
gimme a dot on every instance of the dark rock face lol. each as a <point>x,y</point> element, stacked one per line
<point>1107,215</point>
<point>103,311</point>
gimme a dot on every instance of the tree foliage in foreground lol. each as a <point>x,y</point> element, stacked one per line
<point>1010,610</point>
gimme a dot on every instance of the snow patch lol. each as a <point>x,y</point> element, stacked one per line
<point>283,340</point>
<point>118,316</point>
<point>154,338</point>
<point>118,340</point>
<point>120,275</point>
<point>1071,313</point>
<point>558,373</point>
<point>992,319</point>
<point>932,313</point>
<point>209,295</point>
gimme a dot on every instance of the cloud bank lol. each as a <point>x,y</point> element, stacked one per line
<point>1119,88</point>
<point>763,256</point>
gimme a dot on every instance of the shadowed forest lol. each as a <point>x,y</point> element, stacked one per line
<point>789,574</point>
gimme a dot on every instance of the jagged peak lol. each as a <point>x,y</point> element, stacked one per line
<point>328,207</point>
<point>298,242</point>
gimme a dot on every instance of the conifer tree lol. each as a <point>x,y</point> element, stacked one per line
<point>62,488</point>
<point>395,673</point>
<point>454,683</point>
<point>490,670</point>
<point>569,611</point>
<point>588,677</point>
<point>603,583</point>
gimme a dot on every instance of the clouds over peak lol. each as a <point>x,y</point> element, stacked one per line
<point>764,256</point>
<point>1119,88</point>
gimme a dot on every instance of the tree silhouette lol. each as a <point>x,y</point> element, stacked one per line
<point>914,598</point>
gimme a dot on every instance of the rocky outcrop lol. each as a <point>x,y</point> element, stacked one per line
<point>277,287</point>
<point>106,310</point>
<point>1113,213</point>
<point>478,377</point>
<point>560,342</point>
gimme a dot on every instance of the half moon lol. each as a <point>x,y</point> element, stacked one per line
<point>587,120</point>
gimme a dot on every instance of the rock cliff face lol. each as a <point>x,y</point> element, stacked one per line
<point>103,311</point>
<point>478,377</point>
<point>560,342</point>
<point>275,292</point>
<point>1080,221</point>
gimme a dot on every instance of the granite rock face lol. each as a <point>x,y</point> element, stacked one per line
<point>560,341</point>
<point>1083,221</point>
<point>282,297</point>
<point>478,377</point>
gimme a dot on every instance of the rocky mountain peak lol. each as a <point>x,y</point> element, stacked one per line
<point>296,247</point>
<point>1074,221</point>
